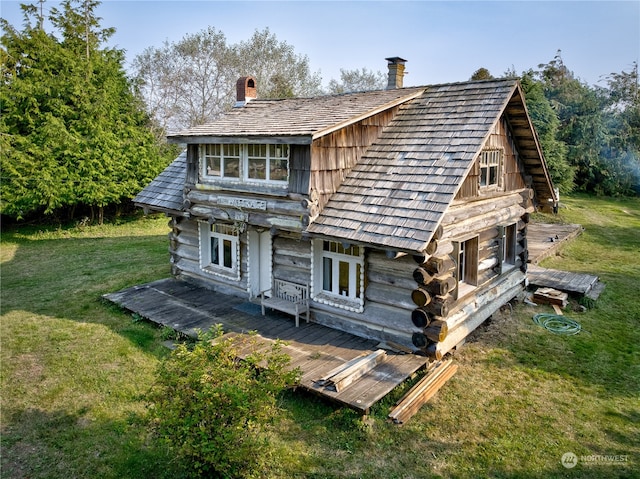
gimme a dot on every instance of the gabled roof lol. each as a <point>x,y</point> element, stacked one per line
<point>164,193</point>
<point>298,120</point>
<point>397,194</point>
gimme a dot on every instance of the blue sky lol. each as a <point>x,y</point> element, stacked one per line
<point>442,41</point>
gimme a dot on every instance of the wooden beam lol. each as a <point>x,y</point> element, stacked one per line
<point>342,376</point>
<point>424,390</point>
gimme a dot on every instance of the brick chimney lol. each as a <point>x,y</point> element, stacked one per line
<point>245,91</point>
<point>396,72</point>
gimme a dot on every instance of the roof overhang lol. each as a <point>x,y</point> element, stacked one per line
<point>246,139</point>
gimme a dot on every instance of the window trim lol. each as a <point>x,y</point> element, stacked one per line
<point>244,162</point>
<point>354,301</point>
<point>508,246</point>
<point>207,232</point>
<point>466,256</point>
<point>490,158</point>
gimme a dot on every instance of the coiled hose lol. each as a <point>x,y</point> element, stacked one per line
<point>557,324</point>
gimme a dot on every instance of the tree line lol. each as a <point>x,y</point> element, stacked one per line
<point>79,134</point>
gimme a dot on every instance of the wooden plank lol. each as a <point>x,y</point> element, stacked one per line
<point>355,371</point>
<point>421,392</point>
<point>562,280</point>
<point>314,348</point>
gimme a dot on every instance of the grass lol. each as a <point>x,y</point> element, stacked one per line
<point>75,370</point>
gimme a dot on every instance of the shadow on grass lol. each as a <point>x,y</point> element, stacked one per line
<point>57,444</point>
<point>66,277</point>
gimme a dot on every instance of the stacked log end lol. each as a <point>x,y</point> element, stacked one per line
<point>432,298</point>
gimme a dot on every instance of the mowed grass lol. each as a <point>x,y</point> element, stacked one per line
<point>75,370</point>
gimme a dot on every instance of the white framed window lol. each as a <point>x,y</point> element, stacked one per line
<point>219,249</point>
<point>251,163</point>
<point>267,162</point>
<point>338,274</point>
<point>490,163</point>
<point>220,161</point>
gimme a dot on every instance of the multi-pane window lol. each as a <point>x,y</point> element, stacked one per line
<point>267,162</point>
<point>253,162</point>
<point>222,161</point>
<point>341,269</point>
<point>490,164</point>
<point>219,248</point>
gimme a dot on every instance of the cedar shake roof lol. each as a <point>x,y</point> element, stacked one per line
<point>397,194</point>
<point>301,118</point>
<point>164,193</point>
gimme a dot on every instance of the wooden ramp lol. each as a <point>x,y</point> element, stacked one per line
<point>315,349</point>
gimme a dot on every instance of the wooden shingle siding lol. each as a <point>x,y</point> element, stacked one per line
<point>416,166</point>
<point>336,153</point>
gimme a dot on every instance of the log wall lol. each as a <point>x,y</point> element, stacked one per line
<point>440,300</point>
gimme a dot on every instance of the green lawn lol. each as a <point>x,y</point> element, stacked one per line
<point>75,370</point>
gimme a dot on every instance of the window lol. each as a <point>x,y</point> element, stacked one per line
<point>509,241</point>
<point>509,238</point>
<point>219,249</point>
<point>221,161</point>
<point>490,164</point>
<point>338,274</point>
<point>251,163</point>
<point>466,254</point>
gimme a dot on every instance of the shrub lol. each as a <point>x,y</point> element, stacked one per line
<point>214,410</point>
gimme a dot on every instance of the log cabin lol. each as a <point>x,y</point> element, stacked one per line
<point>403,212</point>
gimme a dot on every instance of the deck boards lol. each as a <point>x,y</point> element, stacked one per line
<point>315,349</point>
<point>579,283</point>
<point>545,239</point>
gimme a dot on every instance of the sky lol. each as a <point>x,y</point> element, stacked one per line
<point>442,41</point>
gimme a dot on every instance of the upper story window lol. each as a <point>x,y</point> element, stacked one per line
<point>221,161</point>
<point>246,163</point>
<point>490,168</point>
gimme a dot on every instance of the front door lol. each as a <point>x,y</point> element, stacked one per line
<point>259,262</point>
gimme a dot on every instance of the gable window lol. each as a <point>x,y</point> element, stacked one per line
<point>219,249</point>
<point>338,274</point>
<point>250,163</point>
<point>466,254</point>
<point>490,163</point>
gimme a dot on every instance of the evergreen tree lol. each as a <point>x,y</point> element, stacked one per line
<point>73,132</point>
<point>547,124</point>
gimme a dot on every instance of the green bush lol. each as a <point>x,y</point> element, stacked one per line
<point>216,411</point>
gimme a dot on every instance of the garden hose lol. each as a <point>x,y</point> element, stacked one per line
<point>557,324</point>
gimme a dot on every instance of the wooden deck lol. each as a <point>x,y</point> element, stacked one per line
<point>315,349</point>
<point>545,239</point>
<point>578,283</point>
